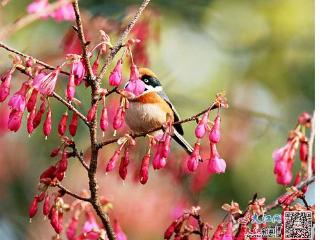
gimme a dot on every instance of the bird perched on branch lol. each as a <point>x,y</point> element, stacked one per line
<point>152,108</point>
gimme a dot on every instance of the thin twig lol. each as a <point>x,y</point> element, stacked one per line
<point>79,155</point>
<point>310,144</point>
<point>65,190</point>
<point>84,45</point>
<point>189,119</point>
<point>276,203</point>
<point>47,66</point>
<point>24,21</point>
<point>123,36</point>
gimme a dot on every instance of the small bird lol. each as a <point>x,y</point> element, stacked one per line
<point>151,109</point>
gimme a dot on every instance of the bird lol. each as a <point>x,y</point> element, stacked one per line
<point>151,109</point>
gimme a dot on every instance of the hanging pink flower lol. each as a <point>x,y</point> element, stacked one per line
<point>64,13</point>
<point>193,159</point>
<point>135,85</point>
<point>116,74</point>
<point>15,119</point>
<point>120,235</point>
<point>46,83</point>
<point>47,126</point>
<point>144,169</point>
<point>202,126</point>
<point>71,89</point>
<point>32,100</point>
<point>214,135</point>
<point>104,119</point>
<point>5,85</point>
<point>18,100</point>
<point>79,71</point>
<point>215,163</point>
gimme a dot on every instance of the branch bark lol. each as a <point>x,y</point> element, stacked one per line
<point>123,36</point>
<point>276,203</point>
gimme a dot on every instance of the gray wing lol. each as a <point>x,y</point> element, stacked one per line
<point>178,127</point>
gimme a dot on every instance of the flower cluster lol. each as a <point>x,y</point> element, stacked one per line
<point>284,156</point>
<point>63,13</point>
<point>215,163</point>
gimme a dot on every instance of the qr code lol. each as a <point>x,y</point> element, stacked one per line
<point>297,224</point>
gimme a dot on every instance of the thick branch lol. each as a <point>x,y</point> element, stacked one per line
<point>276,203</point>
<point>84,45</point>
<point>123,36</point>
<point>189,119</point>
<point>66,191</point>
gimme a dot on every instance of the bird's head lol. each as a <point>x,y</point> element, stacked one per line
<point>150,80</point>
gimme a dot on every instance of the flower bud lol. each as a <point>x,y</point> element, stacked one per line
<point>47,126</point>
<point>62,127</point>
<point>119,118</point>
<point>14,121</point>
<point>304,151</point>
<point>32,100</point>
<point>112,162</point>
<point>73,125</point>
<point>144,169</point>
<point>116,74</point>
<point>193,159</point>
<point>170,230</point>
<point>46,206</point>
<point>214,135</point>
<point>30,121</point>
<point>104,119</point>
<point>215,163</point>
<point>200,130</point>
<point>33,207</point>
<point>92,112</point>
<point>71,89</point>
<point>72,228</point>
<point>63,163</point>
<point>123,168</point>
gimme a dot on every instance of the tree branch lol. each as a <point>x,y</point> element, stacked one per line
<point>83,41</point>
<point>123,36</point>
<point>47,66</point>
<point>215,105</point>
<point>276,203</point>
<point>65,190</point>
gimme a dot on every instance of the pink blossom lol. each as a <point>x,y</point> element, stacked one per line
<point>32,100</point>
<point>18,100</point>
<point>214,135</point>
<point>217,235</point>
<point>144,169</point>
<point>92,112</point>
<point>46,83</point>
<point>37,6</point>
<point>104,119</point>
<point>33,207</point>
<point>30,119</point>
<point>193,159</point>
<point>116,74</point>
<point>200,130</point>
<point>72,228</point>
<point>79,71</point>
<point>15,119</point>
<point>71,89</point>
<point>112,162</point>
<point>5,85</point>
<point>62,127</point>
<point>47,126</point>
<point>120,235</point>
<point>215,163</point>
<point>73,125</point>
<point>46,206</point>
<point>90,227</point>
<point>135,85</point>
<point>228,234</point>
<point>123,168</point>
<point>64,13</point>
<point>119,118</point>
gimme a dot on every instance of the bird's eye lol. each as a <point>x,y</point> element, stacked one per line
<point>146,80</point>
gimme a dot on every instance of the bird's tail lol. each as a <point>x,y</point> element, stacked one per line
<point>182,142</point>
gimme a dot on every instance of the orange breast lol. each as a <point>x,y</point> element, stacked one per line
<point>154,98</point>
